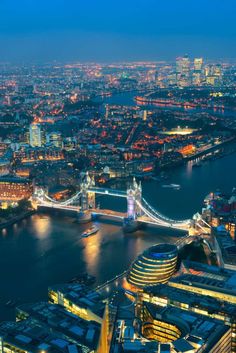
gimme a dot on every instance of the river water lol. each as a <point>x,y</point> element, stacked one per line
<point>127,98</point>
<point>43,249</point>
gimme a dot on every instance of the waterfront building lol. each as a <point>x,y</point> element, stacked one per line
<point>220,214</point>
<point>213,281</point>
<point>78,299</point>
<point>165,295</point>
<point>15,189</point>
<point>155,265</point>
<point>84,303</point>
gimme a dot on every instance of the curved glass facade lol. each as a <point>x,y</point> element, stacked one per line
<point>155,265</point>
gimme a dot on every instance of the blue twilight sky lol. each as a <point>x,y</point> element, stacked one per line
<point>115,30</point>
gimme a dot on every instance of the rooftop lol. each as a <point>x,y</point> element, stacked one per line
<point>162,248</point>
<point>59,320</point>
<point>172,294</point>
<point>82,296</point>
<point>33,337</point>
<point>194,327</point>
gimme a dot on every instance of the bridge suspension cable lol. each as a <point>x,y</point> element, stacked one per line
<point>158,217</point>
<point>63,203</point>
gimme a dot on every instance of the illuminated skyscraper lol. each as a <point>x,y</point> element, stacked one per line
<point>35,135</point>
<point>183,65</point>
<point>198,64</point>
<point>183,70</point>
<point>197,72</point>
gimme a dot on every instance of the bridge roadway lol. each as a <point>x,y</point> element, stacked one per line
<point>109,192</point>
<point>108,213</point>
<point>142,219</point>
<point>115,214</point>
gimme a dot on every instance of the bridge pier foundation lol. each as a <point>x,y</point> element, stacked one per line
<point>84,216</point>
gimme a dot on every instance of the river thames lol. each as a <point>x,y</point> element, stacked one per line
<point>43,250</point>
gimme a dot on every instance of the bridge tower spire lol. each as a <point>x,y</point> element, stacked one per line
<point>134,199</point>
<point>87,197</point>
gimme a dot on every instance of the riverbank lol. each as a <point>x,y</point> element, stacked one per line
<point>127,98</point>
<point>44,250</point>
<point>211,149</point>
<point>158,102</point>
<point>16,219</point>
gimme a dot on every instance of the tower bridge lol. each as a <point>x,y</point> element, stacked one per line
<point>138,209</point>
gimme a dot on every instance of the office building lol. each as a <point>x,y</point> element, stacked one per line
<point>29,336</point>
<point>85,334</point>
<point>165,295</point>
<point>202,279</point>
<point>35,135</point>
<point>156,265</point>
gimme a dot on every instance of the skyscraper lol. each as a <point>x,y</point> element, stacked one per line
<point>183,70</point>
<point>35,135</point>
<point>183,65</point>
<point>198,63</point>
<point>197,72</point>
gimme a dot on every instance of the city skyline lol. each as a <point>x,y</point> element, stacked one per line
<point>117,176</point>
<point>75,30</point>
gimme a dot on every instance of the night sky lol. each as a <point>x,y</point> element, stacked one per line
<point>116,30</point>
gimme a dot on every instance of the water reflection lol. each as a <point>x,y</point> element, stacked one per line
<point>92,250</point>
<point>42,226</point>
<point>4,232</point>
<point>189,169</point>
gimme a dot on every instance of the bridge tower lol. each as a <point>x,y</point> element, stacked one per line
<point>87,197</point>
<point>134,199</point>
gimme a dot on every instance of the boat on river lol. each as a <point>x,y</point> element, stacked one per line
<point>172,186</point>
<point>91,231</point>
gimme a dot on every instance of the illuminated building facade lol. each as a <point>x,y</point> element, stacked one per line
<point>183,71</point>
<point>86,334</point>
<point>28,155</point>
<point>198,64</point>
<point>35,135</point>
<point>84,303</point>
<point>93,309</point>
<point>15,189</point>
<point>55,139</point>
<point>183,332</point>
<point>197,72</point>
<point>156,265</point>
<point>165,295</point>
<point>202,279</point>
